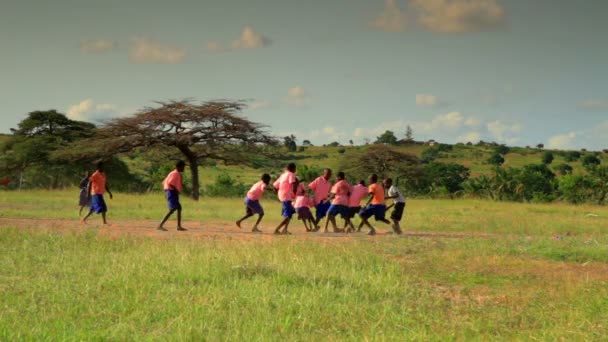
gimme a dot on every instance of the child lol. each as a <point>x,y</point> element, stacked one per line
<point>96,188</point>
<point>377,207</point>
<point>339,204</point>
<point>399,204</point>
<point>321,186</point>
<point>252,202</point>
<point>354,203</point>
<point>302,206</point>
<point>286,186</point>
<point>173,186</point>
<point>84,197</point>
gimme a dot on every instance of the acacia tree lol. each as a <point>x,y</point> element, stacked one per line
<point>212,129</point>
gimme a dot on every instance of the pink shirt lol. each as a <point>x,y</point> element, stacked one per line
<point>173,181</point>
<point>356,195</point>
<point>98,183</point>
<point>321,188</point>
<point>256,191</point>
<point>340,190</point>
<point>285,186</point>
<point>301,201</point>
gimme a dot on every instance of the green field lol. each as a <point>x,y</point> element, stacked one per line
<point>463,270</point>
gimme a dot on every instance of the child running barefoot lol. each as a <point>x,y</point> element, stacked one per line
<point>399,204</point>
<point>96,188</point>
<point>286,186</point>
<point>357,193</point>
<point>375,205</point>
<point>321,186</point>
<point>173,186</point>
<point>302,206</point>
<point>339,204</point>
<point>84,200</point>
<point>252,202</point>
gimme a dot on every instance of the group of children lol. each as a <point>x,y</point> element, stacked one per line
<point>296,197</point>
<point>328,200</point>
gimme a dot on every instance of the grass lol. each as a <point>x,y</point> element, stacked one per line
<point>467,270</point>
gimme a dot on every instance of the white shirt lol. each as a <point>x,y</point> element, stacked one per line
<point>394,191</point>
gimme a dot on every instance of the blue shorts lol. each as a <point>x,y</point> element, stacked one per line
<point>322,209</point>
<point>288,209</point>
<point>338,209</point>
<point>378,211</point>
<point>98,204</point>
<point>253,207</point>
<point>173,200</point>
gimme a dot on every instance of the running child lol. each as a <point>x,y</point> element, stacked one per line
<point>96,188</point>
<point>302,206</point>
<point>286,185</point>
<point>252,202</point>
<point>375,205</point>
<point>321,186</point>
<point>339,204</point>
<point>357,193</point>
<point>398,203</point>
<point>83,200</point>
<point>173,186</point>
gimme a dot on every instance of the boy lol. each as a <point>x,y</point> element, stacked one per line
<point>173,186</point>
<point>83,200</point>
<point>286,185</point>
<point>354,203</point>
<point>377,207</point>
<point>252,202</point>
<point>398,203</point>
<point>302,206</point>
<point>321,186</point>
<point>339,204</point>
<point>96,188</point>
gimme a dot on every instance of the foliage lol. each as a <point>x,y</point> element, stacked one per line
<point>547,157</point>
<point>333,144</point>
<point>502,149</point>
<point>225,186</point>
<point>448,176</point>
<point>572,156</point>
<point>290,143</point>
<point>590,161</point>
<point>388,137</point>
<point>496,159</point>
<point>576,189</point>
<point>563,169</point>
<point>308,173</point>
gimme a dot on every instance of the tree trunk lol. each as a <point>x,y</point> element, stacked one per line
<point>193,161</point>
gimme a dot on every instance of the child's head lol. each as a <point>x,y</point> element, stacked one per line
<point>327,173</point>
<point>266,178</point>
<point>373,178</point>
<point>340,175</point>
<point>180,166</point>
<point>362,182</point>
<point>291,167</point>
<point>388,182</point>
<point>99,166</point>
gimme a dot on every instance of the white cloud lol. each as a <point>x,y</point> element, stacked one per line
<point>392,18</point>
<point>297,96</point>
<point>358,132</point>
<point>594,105</point>
<point>472,122</point>
<point>562,142</point>
<point>504,132</point>
<point>88,110</point>
<point>214,46</point>
<point>259,104</point>
<point>458,15</point>
<point>473,137</point>
<point>451,120</point>
<point>145,50</point>
<point>249,39</point>
<point>93,46</point>
<point>426,100</point>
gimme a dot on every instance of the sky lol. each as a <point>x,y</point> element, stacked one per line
<point>517,72</point>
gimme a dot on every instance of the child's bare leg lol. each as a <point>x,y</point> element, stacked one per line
<point>80,211</point>
<point>162,223</point>
<point>396,226</point>
<point>255,227</point>
<point>285,231</point>
<point>84,220</point>
<point>103,216</point>
<point>278,229</point>
<point>327,223</point>
<point>238,222</point>
<point>179,220</point>
<point>305,221</point>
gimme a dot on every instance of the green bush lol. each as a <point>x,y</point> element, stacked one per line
<point>225,186</point>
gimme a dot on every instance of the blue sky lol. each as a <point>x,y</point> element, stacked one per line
<point>518,72</point>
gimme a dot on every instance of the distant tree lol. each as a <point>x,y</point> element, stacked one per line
<point>563,169</point>
<point>210,130</point>
<point>547,158</point>
<point>430,154</point>
<point>388,138</point>
<point>572,156</point>
<point>536,180</point>
<point>496,159</point>
<point>351,142</point>
<point>502,149</point>
<point>306,143</point>
<point>290,142</point>
<point>540,146</point>
<point>469,143</point>
<point>447,175</point>
<point>583,150</point>
<point>576,189</point>
<point>590,161</point>
<point>409,133</point>
<point>605,151</point>
<point>366,141</point>
<point>333,144</point>
<point>341,150</point>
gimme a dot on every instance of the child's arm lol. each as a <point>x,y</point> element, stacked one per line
<point>89,190</point>
<point>108,190</point>
<point>369,200</point>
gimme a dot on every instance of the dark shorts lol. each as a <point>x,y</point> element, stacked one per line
<point>304,213</point>
<point>353,211</point>
<point>378,211</point>
<point>83,199</point>
<point>321,209</point>
<point>173,200</point>
<point>397,213</point>
<point>98,204</point>
<point>338,209</point>
<point>288,209</point>
<point>253,207</point>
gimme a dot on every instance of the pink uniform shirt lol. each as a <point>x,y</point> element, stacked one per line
<point>173,181</point>
<point>256,191</point>
<point>285,186</point>
<point>356,195</point>
<point>321,188</point>
<point>340,190</point>
<point>301,201</point>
